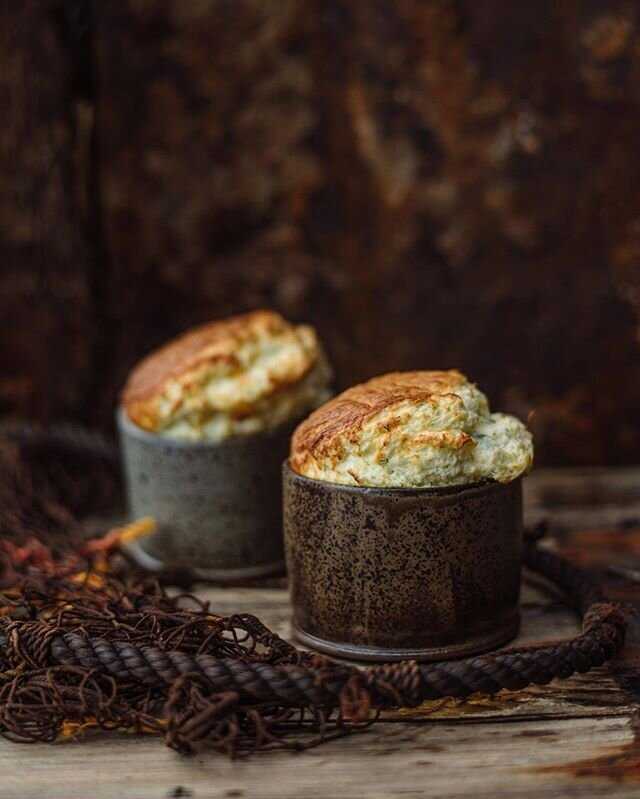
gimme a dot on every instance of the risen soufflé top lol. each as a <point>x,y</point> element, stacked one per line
<point>239,376</point>
<point>411,429</point>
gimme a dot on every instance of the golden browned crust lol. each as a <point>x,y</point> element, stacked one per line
<point>322,433</point>
<point>185,356</point>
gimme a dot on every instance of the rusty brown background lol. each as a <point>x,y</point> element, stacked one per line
<point>430,183</point>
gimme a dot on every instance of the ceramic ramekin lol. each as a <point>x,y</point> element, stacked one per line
<point>389,574</point>
<point>217,505</point>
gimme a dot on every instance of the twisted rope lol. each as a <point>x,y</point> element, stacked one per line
<point>320,682</point>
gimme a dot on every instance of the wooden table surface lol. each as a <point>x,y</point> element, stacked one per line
<point>574,738</point>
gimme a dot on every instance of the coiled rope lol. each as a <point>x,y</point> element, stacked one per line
<point>324,682</point>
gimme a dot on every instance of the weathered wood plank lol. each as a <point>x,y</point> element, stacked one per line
<point>488,761</point>
<point>587,498</point>
<point>586,487</point>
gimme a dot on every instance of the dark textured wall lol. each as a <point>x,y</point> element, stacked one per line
<point>46,333</point>
<point>430,183</point>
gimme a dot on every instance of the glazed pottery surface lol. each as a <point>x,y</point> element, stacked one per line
<point>388,574</point>
<point>218,505</point>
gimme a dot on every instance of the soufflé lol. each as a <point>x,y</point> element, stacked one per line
<point>235,377</point>
<point>411,430</point>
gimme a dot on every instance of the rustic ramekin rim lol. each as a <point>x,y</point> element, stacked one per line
<point>128,427</point>
<point>477,487</point>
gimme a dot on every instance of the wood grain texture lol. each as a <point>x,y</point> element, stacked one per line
<point>578,737</point>
<point>443,761</point>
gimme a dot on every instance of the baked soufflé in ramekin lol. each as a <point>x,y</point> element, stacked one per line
<point>403,519</point>
<point>205,422</point>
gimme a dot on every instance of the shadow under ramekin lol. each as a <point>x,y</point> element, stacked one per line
<point>390,574</point>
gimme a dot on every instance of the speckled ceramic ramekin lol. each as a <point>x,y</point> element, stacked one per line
<point>389,574</point>
<point>217,505</point>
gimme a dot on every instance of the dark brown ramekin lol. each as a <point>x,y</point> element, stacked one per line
<point>389,574</point>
